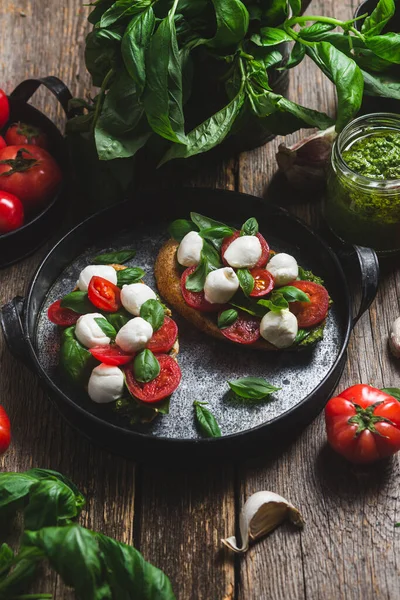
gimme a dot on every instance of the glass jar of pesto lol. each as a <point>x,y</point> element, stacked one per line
<point>363,195</point>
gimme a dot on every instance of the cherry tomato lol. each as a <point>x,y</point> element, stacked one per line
<point>59,315</point>
<point>19,134</point>
<point>11,212</point>
<point>111,355</point>
<point>264,247</point>
<point>30,173</point>
<point>5,431</point>
<point>161,387</point>
<point>164,338</point>
<point>2,143</point>
<point>363,424</point>
<point>310,313</point>
<point>245,330</point>
<point>196,299</point>
<point>104,294</point>
<point>263,282</point>
<point>4,109</point>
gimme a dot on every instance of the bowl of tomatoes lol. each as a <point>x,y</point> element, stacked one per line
<point>33,171</point>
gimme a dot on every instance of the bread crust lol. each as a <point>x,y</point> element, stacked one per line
<point>168,277</point>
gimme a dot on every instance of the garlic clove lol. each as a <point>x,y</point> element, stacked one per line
<point>394,338</point>
<point>305,163</point>
<point>261,514</point>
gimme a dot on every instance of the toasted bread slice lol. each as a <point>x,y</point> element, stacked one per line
<point>168,279</point>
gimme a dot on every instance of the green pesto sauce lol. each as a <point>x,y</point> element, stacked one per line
<point>376,156</point>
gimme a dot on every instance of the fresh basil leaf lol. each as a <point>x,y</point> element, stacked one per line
<point>227,318</point>
<point>122,9</point>
<point>6,559</point>
<point>216,233</point>
<point>248,306</point>
<point>14,487</point>
<point>293,294</point>
<point>100,57</point>
<point>273,58</point>
<point>100,8</point>
<point>163,94</point>
<point>145,366</point>
<point>179,228</point>
<point>314,33</point>
<point>22,575</point>
<point>295,5</point>
<point>130,275</point>
<point>384,86</point>
<point>111,258</point>
<point>246,281</point>
<point>232,23</point>
<point>134,45</point>
<point>73,552</point>
<point>119,319</point>
<point>270,36</point>
<point>107,328</point>
<point>129,575</point>
<point>138,412</point>
<point>111,145</point>
<point>196,280</point>
<point>252,388</point>
<point>153,312</point>
<point>208,134</point>
<point>345,74</point>
<point>203,222</point>
<point>296,56</point>
<point>395,392</point>
<point>385,46</point>
<point>379,17</point>
<point>79,302</point>
<point>309,276</point>
<point>206,421</point>
<point>250,227</point>
<point>51,475</point>
<point>308,337</point>
<point>75,360</point>
<point>276,303</point>
<point>51,502</point>
<point>306,117</point>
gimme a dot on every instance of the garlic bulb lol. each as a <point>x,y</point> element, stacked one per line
<point>305,163</point>
<point>262,513</point>
<point>394,338</point>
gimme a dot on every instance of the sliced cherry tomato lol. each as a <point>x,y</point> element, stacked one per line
<point>30,173</point>
<point>11,212</point>
<point>62,316</point>
<point>245,330</point>
<point>164,338</point>
<point>264,247</point>
<point>310,313</point>
<point>111,355</point>
<point>3,143</point>
<point>263,282</point>
<point>161,387</point>
<point>4,109</point>
<point>5,430</point>
<point>19,134</point>
<point>363,424</point>
<point>104,294</point>
<point>196,299</point>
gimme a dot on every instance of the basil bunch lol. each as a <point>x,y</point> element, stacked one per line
<point>94,565</point>
<point>148,57</point>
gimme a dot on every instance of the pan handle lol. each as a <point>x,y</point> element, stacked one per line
<point>25,90</point>
<point>13,331</point>
<point>369,271</point>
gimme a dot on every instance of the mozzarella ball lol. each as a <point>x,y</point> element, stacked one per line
<point>106,384</point>
<point>244,252</point>
<point>280,329</point>
<point>104,271</point>
<point>89,333</point>
<point>284,268</point>
<point>134,335</point>
<point>134,295</point>
<point>221,285</point>
<point>189,250</point>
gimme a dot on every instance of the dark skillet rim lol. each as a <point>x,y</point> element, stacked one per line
<point>188,441</point>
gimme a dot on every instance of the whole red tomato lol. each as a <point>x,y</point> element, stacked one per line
<point>363,424</point>
<point>11,212</point>
<point>30,173</point>
<point>4,109</point>
<point>5,431</point>
<point>19,134</point>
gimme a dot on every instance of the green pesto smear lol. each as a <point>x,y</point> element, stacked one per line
<point>376,156</point>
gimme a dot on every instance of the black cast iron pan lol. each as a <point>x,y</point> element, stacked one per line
<point>307,378</point>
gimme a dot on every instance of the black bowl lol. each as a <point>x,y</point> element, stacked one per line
<point>18,244</point>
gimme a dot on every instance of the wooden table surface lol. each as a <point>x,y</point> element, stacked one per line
<point>349,548</point>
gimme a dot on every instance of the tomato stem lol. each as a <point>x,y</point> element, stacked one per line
<point>19,164</point>
<point>365,419</point>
